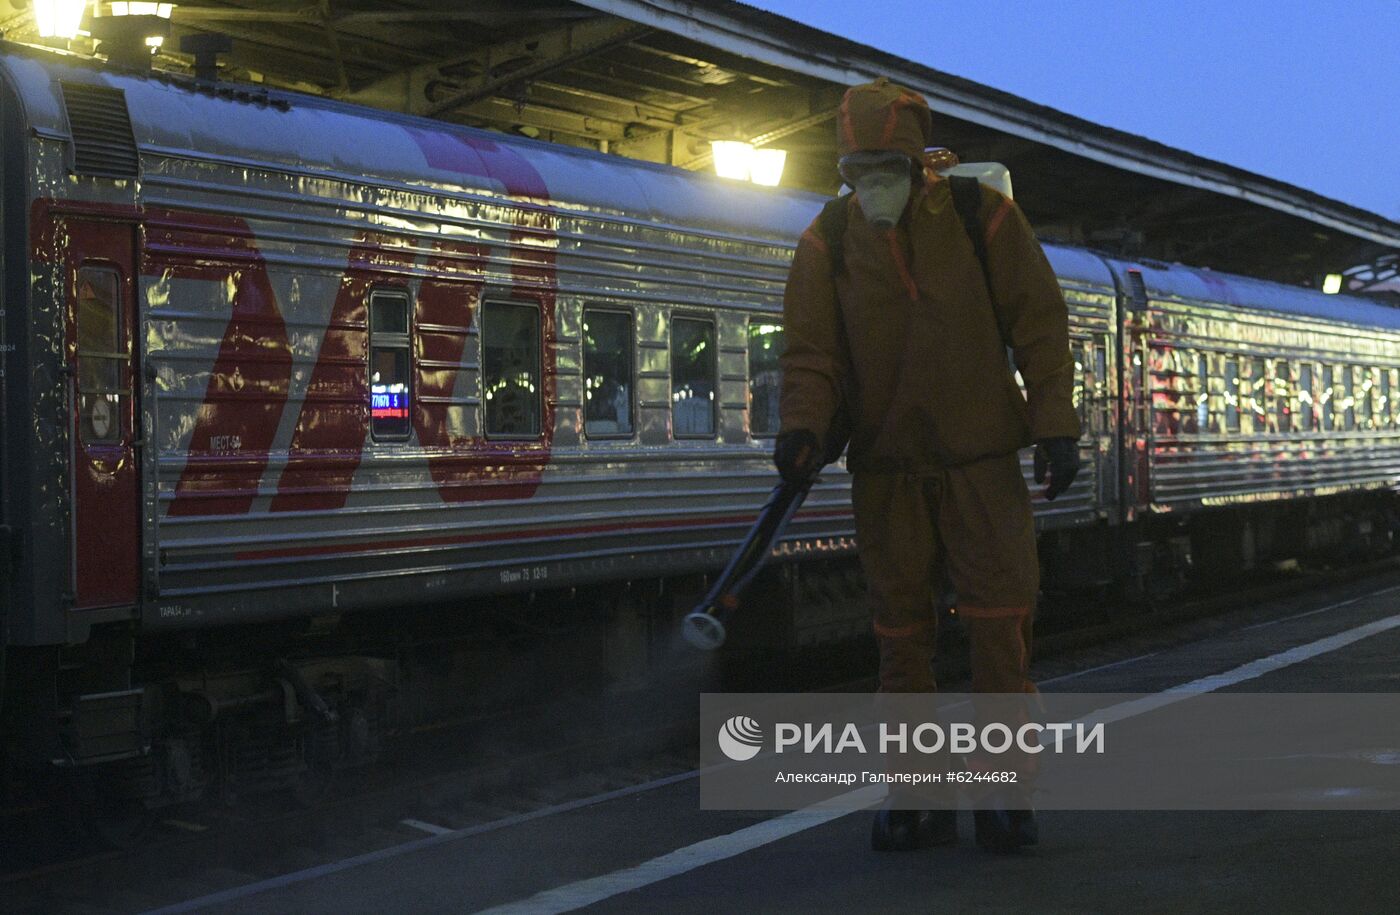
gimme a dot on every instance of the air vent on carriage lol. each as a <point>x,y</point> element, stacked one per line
<point>103,143</point>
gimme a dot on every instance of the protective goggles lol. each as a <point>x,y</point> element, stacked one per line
<point>858,166</point>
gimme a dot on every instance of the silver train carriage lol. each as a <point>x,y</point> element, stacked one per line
<point>268,356</point>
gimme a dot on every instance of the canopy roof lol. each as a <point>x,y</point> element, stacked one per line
<point>656,80</point>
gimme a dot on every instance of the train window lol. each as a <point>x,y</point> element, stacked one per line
<point>1077,392</point>
<point>1372,384</point>
<point>1390,385</point>
<point>1254,403</point>
<point>1093,358</point>
<point>1380,398</point>
<point>607,373</point>
<point>1361,397</point>
<point>1232,394</point>
<point>1326,401</point>
<point>1307,399</point>
<point>100,356</point>
<point>1282,392</point>
<point>1368,398</point>
<point>510,369</point>
<point>765,379</point>
<point>1202,393</point>
<point>1346,397</point>
<point>692,376</point>
<point>1100,379</point>
<point>388,365</point>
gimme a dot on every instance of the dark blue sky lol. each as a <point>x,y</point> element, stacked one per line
<point>1306,92</point>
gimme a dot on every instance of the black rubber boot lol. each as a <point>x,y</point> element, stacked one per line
<point>904,830</point>
<point>1002,831</point>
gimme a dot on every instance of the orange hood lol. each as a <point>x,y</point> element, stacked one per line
<point>883,116</point>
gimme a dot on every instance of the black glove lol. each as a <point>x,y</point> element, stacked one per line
<point>1061,455</point>
<point>797,455</point>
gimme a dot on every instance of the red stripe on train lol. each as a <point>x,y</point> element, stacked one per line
<point>250,379</point>
<point>534,278</point>
<point>332,423</point>
<point>446,307</point>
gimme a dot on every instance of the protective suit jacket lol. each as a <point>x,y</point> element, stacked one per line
<point>906,332</point>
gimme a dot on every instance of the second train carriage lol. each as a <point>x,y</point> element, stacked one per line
<point>1253,391</point>
<point>269,357</point>
<point>1260,423</point>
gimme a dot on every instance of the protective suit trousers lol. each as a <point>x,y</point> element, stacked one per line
<point>972,522</point>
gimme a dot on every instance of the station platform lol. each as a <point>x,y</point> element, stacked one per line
<point>650,848</point>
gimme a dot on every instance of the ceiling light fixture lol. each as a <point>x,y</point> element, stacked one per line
<point>59,18</point>
<point>739,160</point>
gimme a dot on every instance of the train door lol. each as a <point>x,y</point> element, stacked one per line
<point>105,476</point>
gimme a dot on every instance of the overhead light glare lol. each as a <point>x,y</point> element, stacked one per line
<point>733,158</point>
<point>741,161</point>
<point>766,167</point>
<point>58,18</point>
<point>163,10</point>
<point>1332,283</point>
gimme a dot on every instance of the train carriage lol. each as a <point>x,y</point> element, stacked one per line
<point>270,357</point>
<point>1256,391</point>
<point>254,278</point>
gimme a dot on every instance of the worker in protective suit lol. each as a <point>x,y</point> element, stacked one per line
<point>891,327</point>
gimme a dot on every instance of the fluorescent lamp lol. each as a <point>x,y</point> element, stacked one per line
<point>733,158</point>
<point>163,10</point>
<point>766,167</point>
<point>59,18</point>
<point>1332,283</point>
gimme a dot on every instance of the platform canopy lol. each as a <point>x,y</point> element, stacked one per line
<point>660,79</point>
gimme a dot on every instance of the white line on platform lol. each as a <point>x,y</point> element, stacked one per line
<point>430,828</point>
<point>394,851</point>
<point>1298,616</point>
<point>792,819</point>
<point>586,892</point>
<point>1093,670</point>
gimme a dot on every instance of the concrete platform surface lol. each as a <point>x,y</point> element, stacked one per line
<point>652,849</point>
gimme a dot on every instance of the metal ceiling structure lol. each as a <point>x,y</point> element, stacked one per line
<point>659,79</point>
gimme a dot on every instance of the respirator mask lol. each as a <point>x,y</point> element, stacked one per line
<point>882,181</point>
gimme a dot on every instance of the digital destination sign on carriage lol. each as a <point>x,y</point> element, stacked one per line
<point>388,401</point>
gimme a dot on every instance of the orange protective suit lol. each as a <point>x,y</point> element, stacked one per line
<point>905,332</point>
